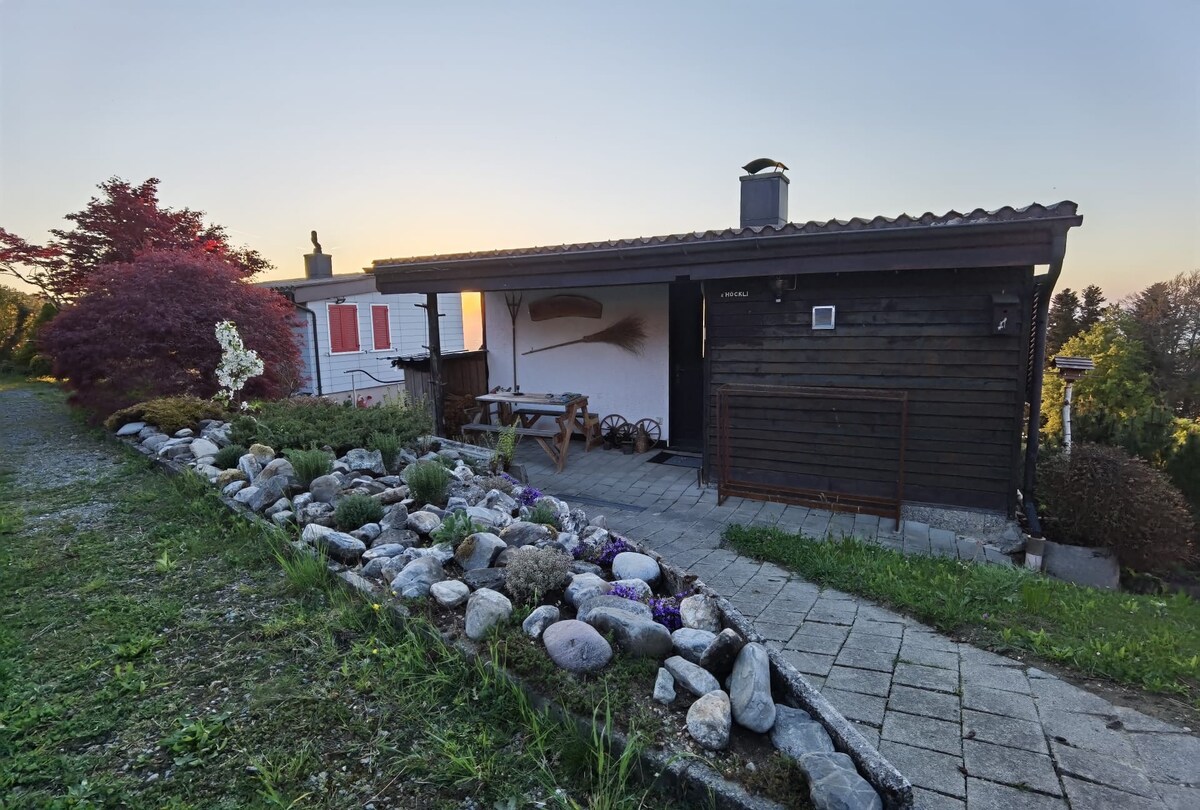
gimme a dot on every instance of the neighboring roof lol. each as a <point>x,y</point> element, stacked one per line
<point>302,290</point>
<point>1018,236</point>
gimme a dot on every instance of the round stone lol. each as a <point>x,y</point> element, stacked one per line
<point>576,646</point>
<point>709,720</point>
<point>632,565</point>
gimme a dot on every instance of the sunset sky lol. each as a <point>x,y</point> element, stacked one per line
<point>397,129</point>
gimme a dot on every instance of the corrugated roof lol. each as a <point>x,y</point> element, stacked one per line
<point>979,216</point>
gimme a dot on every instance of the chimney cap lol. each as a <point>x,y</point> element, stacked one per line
<point>756,166</point>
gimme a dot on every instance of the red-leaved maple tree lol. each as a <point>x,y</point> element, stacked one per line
<point>124,221</point>
<point>146,329</point>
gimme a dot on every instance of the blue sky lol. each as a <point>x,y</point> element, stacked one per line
<point>397,129</point>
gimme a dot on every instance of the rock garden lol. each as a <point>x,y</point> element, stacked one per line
<point>557,599</point>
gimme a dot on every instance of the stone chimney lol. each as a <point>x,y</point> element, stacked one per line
<point>317,264</point>
<point>764,196</point>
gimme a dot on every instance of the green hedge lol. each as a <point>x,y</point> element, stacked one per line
<point>308,422</point>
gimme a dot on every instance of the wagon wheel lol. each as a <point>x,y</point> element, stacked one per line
<point>610,427</point>
<point>625,434</point>
<point>652,429</point>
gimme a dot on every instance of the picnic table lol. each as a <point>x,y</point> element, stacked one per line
<point>502,409</point>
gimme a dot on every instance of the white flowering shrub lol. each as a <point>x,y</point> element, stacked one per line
<point>238,364</point>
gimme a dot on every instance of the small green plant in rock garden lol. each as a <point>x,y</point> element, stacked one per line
<point>532,573</point>
<point>544,513</point>
<point>388,445</point>
<point>455,527</point>
<point>309,464</point>
<point>228,457</point>
<point>355,511</point>
<point>313,421</point>
<point>427,482</point>
<point>195,742</point>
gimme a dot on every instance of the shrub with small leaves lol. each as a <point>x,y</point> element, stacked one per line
<point>500,482</point>
<point>227,457</point>
<point>427,482</point>
<point>455,528</point>
<point>544,513</point>
<point>309,464</point>
<point>1099,496</point>
<point>533,573</point>
<point>355,511</point>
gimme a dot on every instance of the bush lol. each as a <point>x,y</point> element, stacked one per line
<point>355,511</point>
<point>312,421</point>
<point>534,572</point>
<point>388,445</point>
<point>427,482</point>
<point>227,457</point>
<point>1098,496</point>
<point>310,464</point>
<point>146,329</point>
<point>168,414</point>
<point>455,528</point>
<point>1184,469</point>
<point>504,483</point>
<point>544,513</point>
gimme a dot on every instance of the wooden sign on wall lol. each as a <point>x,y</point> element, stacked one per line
<point>565,306</point>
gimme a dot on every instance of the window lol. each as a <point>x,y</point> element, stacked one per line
<point>822,317</point>
<point>343,328</point>
<point>380,327</point>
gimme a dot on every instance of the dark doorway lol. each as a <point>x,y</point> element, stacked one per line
<point>687,366</point>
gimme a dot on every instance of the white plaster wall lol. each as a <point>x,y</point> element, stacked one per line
<point>614,380</point>
<point>409,331</point>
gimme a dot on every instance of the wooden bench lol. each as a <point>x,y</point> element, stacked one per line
<point>550,440</point>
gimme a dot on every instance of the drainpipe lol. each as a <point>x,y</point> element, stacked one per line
<point>1048,281</point>
<point>312,317</point>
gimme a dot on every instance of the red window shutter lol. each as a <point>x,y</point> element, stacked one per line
<point>343,327</point>
<point>380,327</point>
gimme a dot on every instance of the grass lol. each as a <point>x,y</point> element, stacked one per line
<point>153,653</point>
<point>1151,642</point>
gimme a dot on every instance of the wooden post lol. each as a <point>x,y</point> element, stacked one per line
<point>435,364</point>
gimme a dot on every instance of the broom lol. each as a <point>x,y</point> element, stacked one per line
<point>629,334</point>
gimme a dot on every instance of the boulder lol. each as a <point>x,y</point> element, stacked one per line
<point>628,606</point>
<point>184,433</point>
<point>338,546</point>
<point>576,646</point>
<point>423,522</point>
<point>217,434</point>
<point>397,537</point>
<point>229,476</point>
<point>584,587</point>
<point>834,783</point>
<point>584,567</point>
<point>664,687</point>
<point>500,501</point>
<point>325,488</point>
<point>321,513</point>
<point>691,677</point>
<point>283,518</point>
<point>395,517</point>
<point>391,495</point>
<point>416,577</point>
<point>489,518</point>
<point>384,550</point>
<point>233,488</point>
<point>478,550</point>
<point>281,505</point>
<point>632,565</point>
<point>278,468</point>
<point>638,586</point>
<point>442,552</point>
<point>249,466</point>
<point>642,638</point>
<point>750,689</point>
<point>369,485</point>
<point>708,720</point>
<point>201,447</point>
<point>523,533</point>
<point>208,472</point>
<point>492,578</point>
<point>690,643</point>
<point>719,656</point>
<point>131,428</point>
<point>370,531</point>
<point>486,609</point>
<point>301,500</point>
<point>450,593</point>
<point>265,494</point>
<point>795,733</point>
<point>262,454</point>
<point>700,612</point>
<point>538,620</point>
<point>575,521</point>
<point>154,441</point>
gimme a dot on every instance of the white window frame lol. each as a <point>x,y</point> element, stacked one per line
<point>357,327</point>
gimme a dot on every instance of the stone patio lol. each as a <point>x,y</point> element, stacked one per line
<point>968,727</point>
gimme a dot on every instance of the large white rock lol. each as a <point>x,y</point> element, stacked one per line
<point>584,587</point>
<point>750,689</point>
<point>478,550</point>
<point>576,646</point>
<point>450,593</point>
<point>486,609</point>
<point>700,612</point>
<point>708,720</point>
<point>632,565</point>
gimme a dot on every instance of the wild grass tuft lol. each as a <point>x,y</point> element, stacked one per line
<point>309,464</point>
<point>227,457</point>
<point>388,445</point>
<point>355,511</point>
<point>427,482</point>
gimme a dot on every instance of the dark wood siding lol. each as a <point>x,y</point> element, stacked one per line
<point>928,333</point>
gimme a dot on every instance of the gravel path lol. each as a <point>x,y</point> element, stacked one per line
<point>969,728</point>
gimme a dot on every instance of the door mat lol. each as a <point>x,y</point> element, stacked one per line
<point>676,459</point>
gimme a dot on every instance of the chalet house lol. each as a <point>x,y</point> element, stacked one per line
<point>351,332</point>
<point>869,364</point>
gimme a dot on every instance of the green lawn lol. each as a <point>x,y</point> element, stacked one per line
<point>1152,642</point>
<point>154,653</point>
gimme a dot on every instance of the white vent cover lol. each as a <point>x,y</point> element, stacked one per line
<point>822,317</point>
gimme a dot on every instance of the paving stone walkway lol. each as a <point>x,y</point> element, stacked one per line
<point>969,728</point>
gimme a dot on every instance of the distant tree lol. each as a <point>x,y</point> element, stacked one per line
<point>145,329</point>
<point>1120,388</point>
<point>18,314</point>
<point>1091,309</point>
<point>116,227</point>
<point>1165,317</point>
<point>1064,321</point>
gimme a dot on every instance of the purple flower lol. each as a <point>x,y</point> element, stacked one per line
<point>625,592</point>
<point>529,496</point>
<point>611,548</point>
<point>666,612</point>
